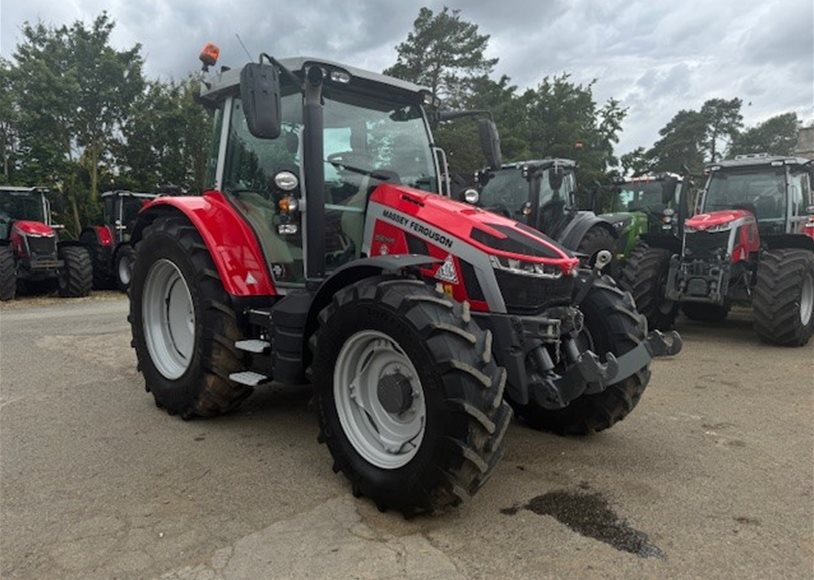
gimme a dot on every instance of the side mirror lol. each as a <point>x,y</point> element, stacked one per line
<point>471,196</point>
<point>490,143</point>
<point>260,94</point>
<point>668,189</point>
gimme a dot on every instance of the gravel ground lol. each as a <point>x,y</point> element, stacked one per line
<point>711,476</point>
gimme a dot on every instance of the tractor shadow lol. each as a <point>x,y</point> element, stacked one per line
<point>737,328</point>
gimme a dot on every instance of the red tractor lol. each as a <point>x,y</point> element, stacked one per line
<point>109,242</point>
<point>751,243</point>
<point>321,255</point>
<point>30,251</point>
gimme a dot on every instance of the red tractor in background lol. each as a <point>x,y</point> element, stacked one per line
<point>322,255</point>
<point>752,243</point>
<point>30,251</point>
<point>109,242</point>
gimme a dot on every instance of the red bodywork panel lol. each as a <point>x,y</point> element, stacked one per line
<point>746,240</point>
<point>458,219</point>
<point>231,242</point>
<point>716,218</point>
<point>104,235</point>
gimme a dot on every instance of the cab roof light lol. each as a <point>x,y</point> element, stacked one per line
<point>209,56</point>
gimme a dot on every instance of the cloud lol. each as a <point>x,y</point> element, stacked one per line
<point>656,56</point>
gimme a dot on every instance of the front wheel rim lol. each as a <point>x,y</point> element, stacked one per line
<point>125,269</point>
<point>807,299</point>
<point>385,433</point>
<point>169,319</point>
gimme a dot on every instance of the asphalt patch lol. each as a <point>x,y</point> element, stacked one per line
<point>590,515</point>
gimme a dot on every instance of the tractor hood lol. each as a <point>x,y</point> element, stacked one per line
<point>716,219</point>
<point>442,220</point>
<point>30,228</point>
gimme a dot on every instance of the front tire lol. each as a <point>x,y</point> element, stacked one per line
<point>644,275</point>
<point>612,325</point>
<point>100,258</point>
<point>75,278</point>
<point>783,302</point>
<point>182,325</point>
<point>125,258</point>
<point>8,274</point>
<point>444,364</point>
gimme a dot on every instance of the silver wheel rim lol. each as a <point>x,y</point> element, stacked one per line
<point>807,299</point>
<point>125,269</point>
<point>169,319</point>
<point>384,438</point>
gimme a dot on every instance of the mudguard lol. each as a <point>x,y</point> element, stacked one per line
<point>579,226</point>
<point>230,240</point>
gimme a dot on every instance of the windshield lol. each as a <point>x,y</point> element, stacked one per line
<point>760,190</point>
<point>638,196</point>
<point>21,205</point>
<point>506,191</point>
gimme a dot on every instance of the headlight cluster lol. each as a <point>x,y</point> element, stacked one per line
<point>710,230</point>
<point>523,268</point>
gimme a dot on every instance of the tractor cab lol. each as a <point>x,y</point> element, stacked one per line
<point>775,190</point>
<point>542,195</point>
<point>119,212</point>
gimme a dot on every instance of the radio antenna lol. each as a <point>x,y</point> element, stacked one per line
<point>243,45</point>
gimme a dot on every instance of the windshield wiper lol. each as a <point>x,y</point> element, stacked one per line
<point>369,172</point>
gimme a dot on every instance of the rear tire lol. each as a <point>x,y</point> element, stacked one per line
<point>461,389</point>
<point>701,312</point>
<point>614,326</point>
<point>594,241</point>
<point>202,386</point>
<point>783,302</point>
<point>75,278</point>
<point>100,258</point>
<point>644,275</point>
<point>8,274</point>
<point>125,258</point>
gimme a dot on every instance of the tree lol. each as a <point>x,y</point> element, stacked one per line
<point>9,124</point>
<point>724,121</point>
<point>445,53</point>
<point>167,138</point>
<point>636,162</point>
<point>682,142</point>
<point>777,136</point>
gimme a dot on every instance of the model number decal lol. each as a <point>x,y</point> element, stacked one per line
<point>430,233</point>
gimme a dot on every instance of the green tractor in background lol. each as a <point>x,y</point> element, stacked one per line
<point>642,206</point>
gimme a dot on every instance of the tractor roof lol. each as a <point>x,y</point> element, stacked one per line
<point>15,188</point>
<point>227,81</point>
<point>126,193</point>
<point>542,163</point>
<point>647,177</point>
<point>757,159</point>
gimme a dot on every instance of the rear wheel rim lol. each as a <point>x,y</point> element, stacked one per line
<point>383,436</point>
<point>807,299</point>
<point>169,319</point>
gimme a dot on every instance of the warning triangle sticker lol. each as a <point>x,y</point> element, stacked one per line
<point>447,272</point>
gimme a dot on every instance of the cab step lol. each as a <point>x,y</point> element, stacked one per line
<point>249,378</point>
<point>253,345</point>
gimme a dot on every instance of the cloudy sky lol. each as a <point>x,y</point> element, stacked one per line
<point>655,56</point>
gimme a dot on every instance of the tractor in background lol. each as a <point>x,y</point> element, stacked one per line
<point>542,194</point>
<point>322,254</point>
<point>752,243</point>
<point>31,253</point>
<point>109,242</point>
<point>642,206</point>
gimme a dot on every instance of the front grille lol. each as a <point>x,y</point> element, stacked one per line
<point>45,247</point>
<point>530,295</point>
<point>706,244</point>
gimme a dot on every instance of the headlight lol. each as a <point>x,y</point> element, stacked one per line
<point>524,268</point>
<point>709,230</point>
